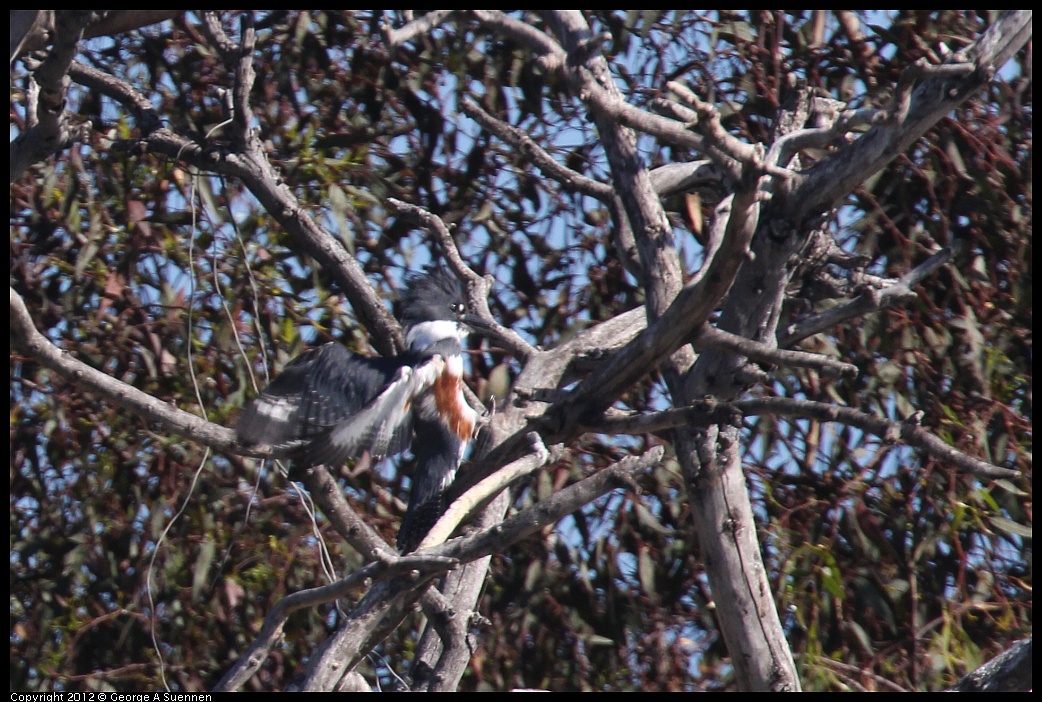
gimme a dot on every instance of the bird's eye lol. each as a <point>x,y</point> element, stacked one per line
<point>459,307</point>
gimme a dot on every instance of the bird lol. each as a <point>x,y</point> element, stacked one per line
<point>334,405</point>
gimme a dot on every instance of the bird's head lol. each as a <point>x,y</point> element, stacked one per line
<point>432,312</point>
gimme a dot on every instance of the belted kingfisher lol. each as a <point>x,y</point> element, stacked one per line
<point>336,404</point>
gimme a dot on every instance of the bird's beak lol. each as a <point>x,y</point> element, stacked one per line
<point>474,323</point>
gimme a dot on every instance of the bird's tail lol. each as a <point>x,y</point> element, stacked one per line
<point>438,449</point>
<point>419,519</point>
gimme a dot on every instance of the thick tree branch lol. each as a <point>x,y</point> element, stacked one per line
<point>934,96</point>
<point>49,131</point>
<point>446,640</point>
<point>1010,671</point>
<point>113,22</point>
<point>394,38</point>
<point>368,623</point>
<point>748,619</point>
<point>673,178</point>
<point>524,34</point>
<point>715,481</point>
<point>549,511</point>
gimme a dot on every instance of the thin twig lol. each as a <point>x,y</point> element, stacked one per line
<point>871,300</point>
<point>571,180</point>
<point>908,432</point>
<point>478,302</point>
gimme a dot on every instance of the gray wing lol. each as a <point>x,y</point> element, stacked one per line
<point>377,426</point>
<point>321,390</point>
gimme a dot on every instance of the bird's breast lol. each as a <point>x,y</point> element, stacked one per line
<point>453,409</point>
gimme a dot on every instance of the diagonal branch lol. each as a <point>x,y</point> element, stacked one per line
<point>384,606</point>
<point>270,633</point>
<point>549,511</point>
<point>869,301</point>
<point>689,311</point>
<point>27,339</point>
<point>483,492</point>
<point>251,166</point>
<point>418,27</point>
<point>539,42</point>
<point>908,431</point>
<point>510,134</point>
<point>936,94</point>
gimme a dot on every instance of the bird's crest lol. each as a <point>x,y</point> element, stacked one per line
<point>432,295</point>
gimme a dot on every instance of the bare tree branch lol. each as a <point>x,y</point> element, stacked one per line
<point>907,431</point>
<point>711,337</point>
<point>708,412</point>
<point>715,134</point>
<point>673,178</point>
<point>253,168</point>
<point>50,131</point>
<point>752,628</point>
<point>35,345</point>
<point>388,601</point>
<point>869,301</point>
<point>396,37</point>
<point>488,488</point>
<point>524,34</point>
<point>366,625</point>
<point>935,96</point>
<point>548,511</point>
<point>271,632</point>
<point>552,169</point>
<point>1011,671</point>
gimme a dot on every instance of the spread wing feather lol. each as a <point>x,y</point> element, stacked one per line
<point>326,388</point>
<point>376,427</point>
